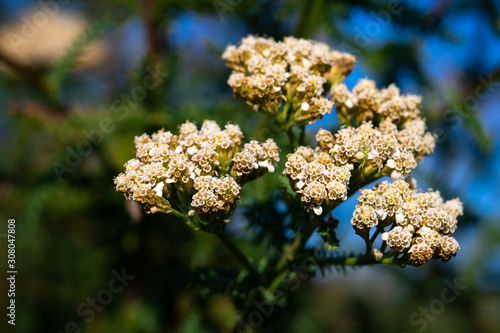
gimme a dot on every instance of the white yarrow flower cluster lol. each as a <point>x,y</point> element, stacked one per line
<point>389,133</point>
<point>383,149</point>
<point>317,178</point>
<point>204,167</point>
<point>267,73</point>
<point>421,223</point>
<point>366,102</point>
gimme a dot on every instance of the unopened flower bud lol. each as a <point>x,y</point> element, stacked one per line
<point>360,156</point>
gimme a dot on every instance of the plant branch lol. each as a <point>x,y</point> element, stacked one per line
<point>308,18</point>
<point>35,79</point>
<point>302,135</point>
<point>173,212</point>
<point>373,238</point>
<point>281,269</point>
<point>362,261</point>
<point>298,244</point>
<point>154,37</point>
<point>291,138</point>
<point>238,254</point>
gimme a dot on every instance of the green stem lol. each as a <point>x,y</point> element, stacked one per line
<point>308,18</point>
<point>173,212</point>
<point>361,180</point>
<point>284,114</point>
<point>375,234</point>
<point>238,254</point>
<point>366,237</point>
<point>298,244</point>
<point>291,138</point>
<point>361,261</point>
<point>276,282</point>
<point>281,269</point>
<point>291,120</point>
<point>383,246</point>
<point>302,135</point>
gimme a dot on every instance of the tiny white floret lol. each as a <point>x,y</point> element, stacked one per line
<point>318,210</point>
<point>391,163</point>
<point>159,189</point>
<point>192,150</point>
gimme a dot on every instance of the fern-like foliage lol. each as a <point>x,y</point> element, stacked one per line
<point>211,281</point>
<point>59,72</point>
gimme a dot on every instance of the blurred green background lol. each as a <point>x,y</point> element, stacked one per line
<point>73,79</point>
